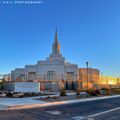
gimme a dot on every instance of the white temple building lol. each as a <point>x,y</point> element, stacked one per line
<point>54,68</point>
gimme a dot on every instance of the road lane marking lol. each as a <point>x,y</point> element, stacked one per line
<point>97,114</point>
<point>78,118</point>
<point>113,118</point>
<point>81,118</point>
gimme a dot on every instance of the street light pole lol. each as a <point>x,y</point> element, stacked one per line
<point>87,73</point>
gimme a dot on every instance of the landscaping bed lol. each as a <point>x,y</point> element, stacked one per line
<point>21,94</point>
<point>62,98</point>
<point>81,95</point>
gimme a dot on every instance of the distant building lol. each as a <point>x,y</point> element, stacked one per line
<point>89,78</point>
<point>53,69</point>
<point>1,77</point>
<point>109,82</point>
<point>7,77</point>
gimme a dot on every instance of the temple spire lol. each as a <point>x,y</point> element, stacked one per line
<point>56,35</point>
<point>56,44</point>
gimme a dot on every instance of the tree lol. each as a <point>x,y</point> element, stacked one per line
<point>73,86</point>
<point>63,89</point>
<point>1,85</point>
<point>66,85</point>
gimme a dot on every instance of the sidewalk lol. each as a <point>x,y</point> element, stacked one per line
<point>6,103</point>
<point>25,103</point>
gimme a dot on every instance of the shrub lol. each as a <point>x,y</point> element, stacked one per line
<point>63,92</point>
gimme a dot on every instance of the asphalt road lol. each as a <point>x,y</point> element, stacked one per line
<point>107,109</point>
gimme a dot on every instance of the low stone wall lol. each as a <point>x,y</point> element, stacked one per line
<point>9,86</point>
<point>22,86</point>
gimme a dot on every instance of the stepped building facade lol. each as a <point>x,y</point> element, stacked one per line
<point>54,68</point>
<point>54,73</point>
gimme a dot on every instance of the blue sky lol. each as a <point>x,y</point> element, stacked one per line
<point>89,30</point>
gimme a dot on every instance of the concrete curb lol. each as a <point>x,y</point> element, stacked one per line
<point>17,107</point>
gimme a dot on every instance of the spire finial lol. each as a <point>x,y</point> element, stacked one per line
<point>56,35</point>
<point>56,30</point>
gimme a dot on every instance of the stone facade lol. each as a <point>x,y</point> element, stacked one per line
<point>54,68</point>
